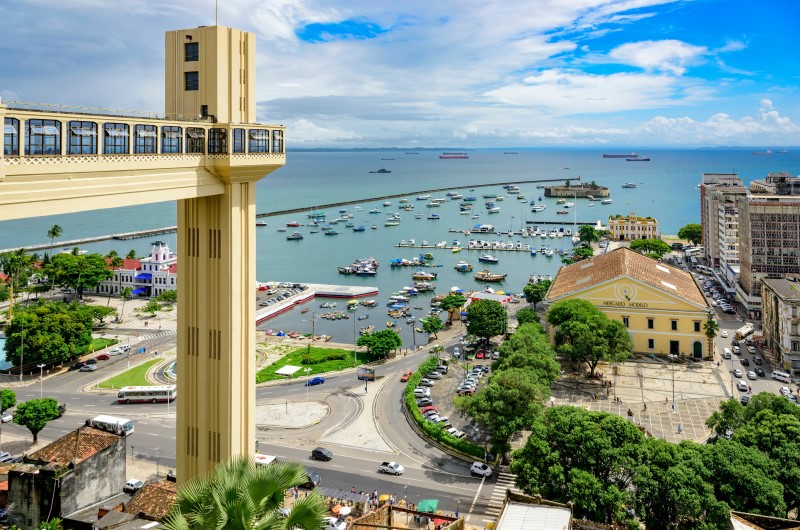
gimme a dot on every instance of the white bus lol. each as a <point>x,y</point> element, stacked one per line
<point>121,426</point>
<point>147,394</point>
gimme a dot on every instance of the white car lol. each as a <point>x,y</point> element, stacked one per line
<point>751,349</point>
<point>495,355</point>
<point>479,468</point>
<point>452,431</point>
<point>426,382</point>
<point>132,486</point>
<point>115,351</point>
<point>7,417</point>
<point>737,373</point>
<point>751,375</point>
<point>392,468</point>
<point>434,375</point>
<point>420,392</point>
<point>785,390</point>
<point>742,386</point>
<point>331,523</point>
<point>724,333</point>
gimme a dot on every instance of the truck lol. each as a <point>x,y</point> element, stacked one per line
<point>121,426</point>
<point>744,331</point>
<point>392,468</point>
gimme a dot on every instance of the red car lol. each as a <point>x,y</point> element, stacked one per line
<point>423,410</point>
<point>480,354</point>
<point>103,357</point>
<point>406,375</point>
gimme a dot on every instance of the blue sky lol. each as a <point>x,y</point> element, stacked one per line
<point>487,73</point>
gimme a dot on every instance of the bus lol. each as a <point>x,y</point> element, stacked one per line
<point>147,394</point>
<point>121,426</point>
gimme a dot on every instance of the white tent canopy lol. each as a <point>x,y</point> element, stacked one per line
<point>288,370</point>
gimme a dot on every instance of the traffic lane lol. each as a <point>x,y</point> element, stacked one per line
<point>360,470</point>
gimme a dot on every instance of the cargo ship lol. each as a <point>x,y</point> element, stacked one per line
<point>630,155</point>
<point>453,155</point>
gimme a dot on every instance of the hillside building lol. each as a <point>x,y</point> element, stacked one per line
<point>662,306</point>
<point>631,227</point>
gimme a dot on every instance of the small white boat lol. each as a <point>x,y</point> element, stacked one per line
<point>387,203</point>
<point>537,208</point>
<point>495,209</point>
<point>605,201</point>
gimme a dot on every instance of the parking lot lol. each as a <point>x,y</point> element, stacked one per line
<point>269,295</point>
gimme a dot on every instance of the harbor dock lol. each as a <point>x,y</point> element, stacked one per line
<point>313,290</point>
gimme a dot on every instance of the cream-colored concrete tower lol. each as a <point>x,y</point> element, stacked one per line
<point>207,153</point>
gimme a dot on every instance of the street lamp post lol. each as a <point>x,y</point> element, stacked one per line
<point>21,348</point>
<point>355,356</point>
<point>41,378</point>
<point>308,371</point>
<point>672,365</point>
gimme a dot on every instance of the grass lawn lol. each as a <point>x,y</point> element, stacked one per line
<point>133,377</point>
<point>322,364</point>
<point>99,344</point>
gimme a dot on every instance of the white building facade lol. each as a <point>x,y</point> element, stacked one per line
<point>147,277</point>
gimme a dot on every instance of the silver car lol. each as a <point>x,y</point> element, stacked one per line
<point>426,382</point>
<point>434,375</point>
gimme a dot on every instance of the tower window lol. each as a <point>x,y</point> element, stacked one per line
<point>192,80</point>
<point>191,51</point>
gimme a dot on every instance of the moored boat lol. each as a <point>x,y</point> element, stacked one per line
<point>488,258</point>
<point>489,276</point>
<point>295,236</point>
<point>463,266</point>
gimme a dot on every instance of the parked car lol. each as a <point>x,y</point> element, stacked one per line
<point>132,486</point>
<point>77,366</point>
<point>751,349</point>
<point>443,421</point>
<point>430,415</point>
<point>759,372</point>
<point>479,468</point>
<point>5,457</point>
<point>465,391</point>
<point>426,382</point>
<point>115,351</point>
<point>434,375</point>
<point>452,431</point>
<point>88,368</point>
<point>737,350</point>
<point>734,342</point>
<point>424,402</point>
<point>724,333</point>
<point>495,355</point>
<point>442,369</point>
<point>313,480</point>
<point>737,373</point>
<point>758,360</point>
<point>425,410</point>
<point>744,399</point>
<point>751,375</point>
<point>91,361</point>
<point>320,453</point>
<point>742,386</point>
<point>406,376</point>
<point>392,468</point>
<point>480,354</point>
<point>103,357</point>
<point>315,381</point>
<point>786,391</point>
<point>7,418</point>
<point>744,361</point>
<point>421,392</point>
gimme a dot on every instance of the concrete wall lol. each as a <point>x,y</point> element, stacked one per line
<point>94,479</point>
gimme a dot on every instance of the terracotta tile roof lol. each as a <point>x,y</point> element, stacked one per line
<point>154,500</point>
<point>127,264</point>
<point>173,268</point>
<point>77,445</point>
<point>625,262</point>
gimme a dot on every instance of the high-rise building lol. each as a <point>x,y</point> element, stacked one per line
<point>769,235</point>
<point>715,187</point>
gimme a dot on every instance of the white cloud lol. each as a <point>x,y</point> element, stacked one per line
<point>670,56</point>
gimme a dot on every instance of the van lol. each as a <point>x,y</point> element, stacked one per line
<point>782,376</point>
<point>726,352</point>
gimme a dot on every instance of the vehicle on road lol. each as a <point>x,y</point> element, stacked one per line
<point>479,468</point>
<point>265,460</point>
<point>147,394</point>
<point>758,360</point>
<point>62,408</point>
<point>737,373</point>
<point>132,486</point>
<point>406,376</point>
<point>724,333</point>
<point>111,424</point>
<point>760,372</point>
<point>785,390</point>
<point>77,366</point>
<point>424,402</point>
<point>315,381</point>
<point>103,357</point>
<point>781,376</point>
<point>737,350</point>
<point>751,375</point>
<point>320,453</point>
<point>426,382</point>
<point>312,482</point>
<point>88,368</point>
<point>392,468</point>
<point>742,386</point>
<point>115,351</point>
<point>744,361</point>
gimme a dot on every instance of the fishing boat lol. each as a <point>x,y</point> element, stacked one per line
<point>359,228</point>
<point>490,196</point>
<point>294,236</point>
<point>391,222</point>
<point>488,258</point>
<point>463,266</point>
<point>423,275</point>
<point>367,329</point>
<point>489,276</point>
<point>261,223</point>
<point>292,224</point>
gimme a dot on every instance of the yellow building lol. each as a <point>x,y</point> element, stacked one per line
<point>662,307</point>
<point>632,227</point>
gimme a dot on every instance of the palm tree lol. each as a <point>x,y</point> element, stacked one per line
<point>125,293</point>
<point>243,495</point>
<point>710,327</point>
<point>131,254</point>
<point>54,233</point>
<point>588,234</point>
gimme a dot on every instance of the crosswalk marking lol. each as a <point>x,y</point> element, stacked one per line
<point>504,481</point>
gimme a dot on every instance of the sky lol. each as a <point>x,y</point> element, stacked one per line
<point>422,73</point>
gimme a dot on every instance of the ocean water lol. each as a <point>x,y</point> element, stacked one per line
<point>665,190</point>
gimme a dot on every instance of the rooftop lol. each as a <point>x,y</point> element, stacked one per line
<point>153,501</point>
<point>625,262</point>
<point>75,446</point>
<point>786,289</point>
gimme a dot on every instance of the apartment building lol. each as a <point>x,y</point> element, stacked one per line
<point>630,227</point>
<point>780,321</point>
<point>769,235</point>
<point>716,188</point>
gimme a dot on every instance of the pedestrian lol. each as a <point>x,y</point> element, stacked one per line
<point>680,428</point>
<point>749,389</point>
<point>145,323</point>
<point>353,489</point>
<point>645,406</point>
<point>666,399</point>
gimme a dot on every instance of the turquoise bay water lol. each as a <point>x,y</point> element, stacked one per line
<point>665,190</point>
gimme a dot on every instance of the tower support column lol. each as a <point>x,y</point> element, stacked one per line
<point>216,328</point>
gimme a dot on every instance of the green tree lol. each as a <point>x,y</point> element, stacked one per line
<point>581,253</point>
<point>588,234</point>
<point>710,327</point>
<point>125,293</point>
<point>114,262</point>
<point>432,325</point>
<point>380,343</point>
<point>508,403</point>
<point>530,349</point>
<point>54,233</point>
<point>151,307</point>
<point>17,266</point>
<point>583,457</point>
<point>585,334</point>
<point>650,246</point>
<point>692,232</point>
<point>8,399</point>
<point>81,272</point>
<point>486,318</point>
<point>535,292</point>
<point>35,413</point>
<point>170,296</point>
<point>243,495</point>
<point>452,303</point>
<point>53,333</point>
<point>527,315</point>
<point>131,254</point>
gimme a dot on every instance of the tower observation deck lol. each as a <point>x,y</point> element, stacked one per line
<point>205,151</point>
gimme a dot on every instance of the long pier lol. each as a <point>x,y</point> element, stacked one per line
<point>170,229</point>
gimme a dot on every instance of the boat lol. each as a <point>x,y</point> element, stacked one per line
<point>359,228</point>
<point>453,155</point>
<point>490,196</point>
<point>331,233</point>
<point>367,329</point>
<point>456,249</point>
<point>381,170</point>
<point>281,230</point>
<point>488,258</point>
<point>629,185</point>
<point>433,204</point>
<point>423,287</point>
<point>470,199</point>
<point>561,201</point>
<point>403,200</point>
<point>630,155</point>
<point>261,223</point>
<point>537,208</point>
<point>762,153</point>
<point>605,201</point>
<point>591,198</point>
<point>420,274</point>
<point>316,215</point>
<point>387,203</point>
<point>562,212</point>
<point>419,215</point>
<point>433,216</point>
<point>494,209</point>
<point>294,236</point>
<point>489,276</point>
<point>375,210</point>
<point>645,159</point>
<point>423,197</point>
<point>374,227</point>
<point>482,229</point>
<point>463,266</point>
<point>292,224</point>
<point>315,230</point>
<point>391,222</point>
<point>387,158</point>
<point>569,205</point>
<point>407,207</point>
<point>304,310</point>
